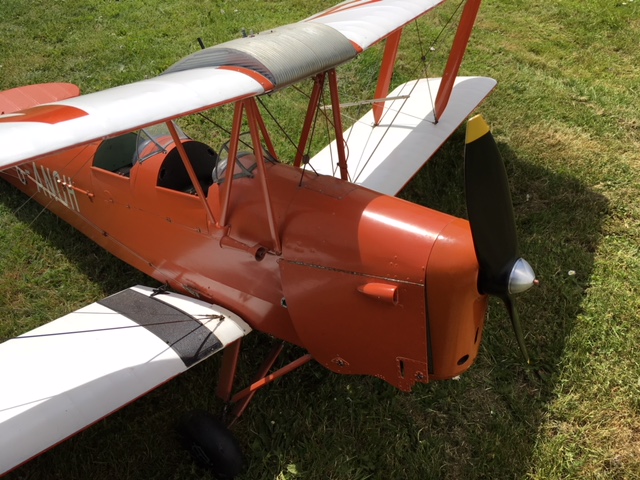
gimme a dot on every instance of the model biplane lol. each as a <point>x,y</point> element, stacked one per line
<point>317,252</point>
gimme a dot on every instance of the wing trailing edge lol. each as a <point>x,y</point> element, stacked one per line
<point>66,375</point>
<point>366,22</point>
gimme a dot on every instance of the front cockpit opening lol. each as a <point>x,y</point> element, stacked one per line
<point>174,176</point>
<point>122,153</point>
<point>210,168</point>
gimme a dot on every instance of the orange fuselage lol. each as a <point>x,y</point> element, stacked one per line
<point>367,283</point>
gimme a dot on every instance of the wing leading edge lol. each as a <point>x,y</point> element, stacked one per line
<point>66,375</point>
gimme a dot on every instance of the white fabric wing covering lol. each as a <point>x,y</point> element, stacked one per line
<point>366,22</point>
<point>25,135</point>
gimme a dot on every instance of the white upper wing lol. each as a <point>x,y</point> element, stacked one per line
<point>365,22</point>
<point>31,133</point>
<point>274,58</point>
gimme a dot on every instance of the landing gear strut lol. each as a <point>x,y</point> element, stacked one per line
<point>207,438</point>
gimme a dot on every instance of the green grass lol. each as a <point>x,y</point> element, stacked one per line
<point>565,116</point>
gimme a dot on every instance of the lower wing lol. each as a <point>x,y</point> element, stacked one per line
<point>66,375</point>
<point>386,156</point>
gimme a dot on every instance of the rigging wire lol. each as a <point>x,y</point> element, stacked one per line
<point>200,323</point>
<point>327,122</point>
<point>306,156</point>
<point>432,48</point>
<point>223,129</point>
<point>275,120</point>
<point>423,59</point>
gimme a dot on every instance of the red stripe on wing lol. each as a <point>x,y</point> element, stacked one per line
<point>51,114</point>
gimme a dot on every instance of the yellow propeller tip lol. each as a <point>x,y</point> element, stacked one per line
<point>476,128</point>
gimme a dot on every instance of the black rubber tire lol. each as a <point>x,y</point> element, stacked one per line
<point>211,444</point>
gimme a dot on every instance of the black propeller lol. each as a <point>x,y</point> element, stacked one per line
<point>493,228</point>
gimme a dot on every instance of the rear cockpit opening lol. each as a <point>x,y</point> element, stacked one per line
<point>116,154</point>
<point>245,164</point>
<point>120,154</point>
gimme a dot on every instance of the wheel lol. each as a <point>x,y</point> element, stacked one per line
<point>211,444</point>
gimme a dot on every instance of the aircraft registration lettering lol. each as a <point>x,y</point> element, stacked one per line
<point>52,184</point>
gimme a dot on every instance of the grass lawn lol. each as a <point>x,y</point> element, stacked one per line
<point>566,118</point>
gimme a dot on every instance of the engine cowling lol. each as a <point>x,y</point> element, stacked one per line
<point>379,286</point>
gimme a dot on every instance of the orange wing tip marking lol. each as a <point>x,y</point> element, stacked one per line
<point>51,114</point>
<point>358,48</point>
<point>261,79</point>
<point>476,128</point>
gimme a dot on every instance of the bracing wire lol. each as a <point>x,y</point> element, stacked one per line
<point>432,47</point>
<point>200,322</point>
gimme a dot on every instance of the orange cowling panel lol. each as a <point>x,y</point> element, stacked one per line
<point>369,337</point>
<point>327,258</point>
<point>456,309</point>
